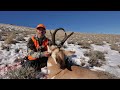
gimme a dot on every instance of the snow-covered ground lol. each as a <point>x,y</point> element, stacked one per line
<point>112,63</point>
<point>112,57</point>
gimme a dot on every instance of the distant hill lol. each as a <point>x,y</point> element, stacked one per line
<point>77,37</point>
<point>11,27</point>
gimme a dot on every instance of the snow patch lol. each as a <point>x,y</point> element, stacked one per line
<point>112,59</point>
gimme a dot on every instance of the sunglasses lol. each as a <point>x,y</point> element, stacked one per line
<point>42,30</point>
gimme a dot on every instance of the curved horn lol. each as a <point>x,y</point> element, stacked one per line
<point>53,35</point>
<point>66,37</point>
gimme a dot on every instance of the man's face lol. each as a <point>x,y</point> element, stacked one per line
<point>40,32</point>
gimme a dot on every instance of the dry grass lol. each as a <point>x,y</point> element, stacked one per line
<point>97,58</point>
<point>25,33</point>
<point>10,38</point>
<point>76,37</point>
<point>88,38</point>
<point>71,42</point>
<point>3,36</point>
<point>22,73</point>
<point>79,38</point>
<point>97,42</point>
<point>115,47</point>
<point>3,33</point>
<point>20,38</point>
<point>13,34</point>
<point>3,47</point>
<point>85,45</point>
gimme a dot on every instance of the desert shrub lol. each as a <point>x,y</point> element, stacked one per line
<point>22,73</point>
<point>115,47</point>
<point>10,39</point>
<point>71,42</point>
<point>97,58</point>
<point>85,45</point>
<point>98,42</point>
<point>3,38</point>
<point>20,38</point>
<point>3,47</point>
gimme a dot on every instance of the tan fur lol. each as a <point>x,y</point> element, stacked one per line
<point>68,53</point>
<point>80,73</point>
<point>77,72</point>
<point>58,68</point>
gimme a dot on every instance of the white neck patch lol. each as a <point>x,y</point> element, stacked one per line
<point>53,54</point>
<point>49,64</point>
<point>54,57</point>
<point>48,49</point>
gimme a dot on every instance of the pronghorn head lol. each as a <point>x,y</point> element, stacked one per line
<point>58,54</point>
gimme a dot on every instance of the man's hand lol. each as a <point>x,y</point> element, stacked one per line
<point>46,53</point>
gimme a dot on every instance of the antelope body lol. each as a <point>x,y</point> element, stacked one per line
<point>57,67</point>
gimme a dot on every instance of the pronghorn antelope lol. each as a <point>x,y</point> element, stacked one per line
<point>57,67</point>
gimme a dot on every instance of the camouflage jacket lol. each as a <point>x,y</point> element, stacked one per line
<point>31,49</point>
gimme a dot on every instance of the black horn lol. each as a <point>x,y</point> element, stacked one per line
<point>66,37</point>
<point>63,41</point>
<point>53,35</point>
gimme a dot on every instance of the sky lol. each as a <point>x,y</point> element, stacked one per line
<point>107,22</point>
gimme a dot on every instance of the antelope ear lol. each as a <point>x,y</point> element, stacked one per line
<point>69,53</point>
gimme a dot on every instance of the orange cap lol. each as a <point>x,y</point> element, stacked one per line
<point>41,26</point>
